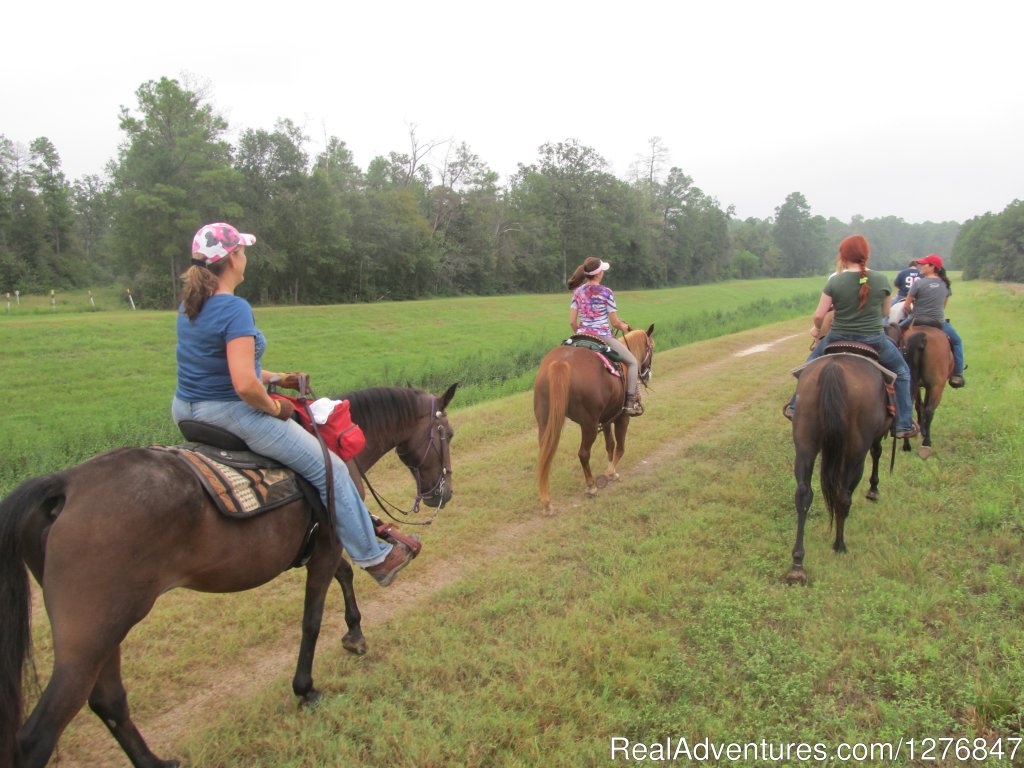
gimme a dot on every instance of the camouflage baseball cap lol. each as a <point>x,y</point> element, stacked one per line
<point>215,241</point>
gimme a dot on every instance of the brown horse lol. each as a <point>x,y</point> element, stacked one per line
<point>572,381</point>
<point>841,413</point>
<point>105,538</point>
<point>930,358</point>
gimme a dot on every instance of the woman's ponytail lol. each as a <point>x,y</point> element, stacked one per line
<point>577,279</point>
<point>865,289</point>
<point>199,283</point>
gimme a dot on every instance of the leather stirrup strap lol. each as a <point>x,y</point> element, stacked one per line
<point>304,396</point>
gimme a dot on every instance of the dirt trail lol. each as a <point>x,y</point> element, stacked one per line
<point>93,746</point>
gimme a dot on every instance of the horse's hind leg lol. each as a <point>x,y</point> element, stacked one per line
<point>845,501</point>
<point>802,469</point>
<point>616,447</point>
<point>110,703</point>
<point>67,691</point>
<point>589,435</point>
<point>876,454</point>
<point>64,695</point>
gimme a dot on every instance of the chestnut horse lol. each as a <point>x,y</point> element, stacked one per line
<point>930,358</point>
<point>841,412</point>
<point>105,538</point>
<point>572,381</point>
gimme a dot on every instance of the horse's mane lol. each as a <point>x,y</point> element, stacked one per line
<point>636,340</point>
<point>384,409</point>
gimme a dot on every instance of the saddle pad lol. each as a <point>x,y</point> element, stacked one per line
<point>608,355</point>
<point>888,375</point>
<point>237,491</point>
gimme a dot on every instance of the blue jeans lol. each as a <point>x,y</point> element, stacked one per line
<point>289,443</point>
<point>890,356</point>
<point>958,348</point>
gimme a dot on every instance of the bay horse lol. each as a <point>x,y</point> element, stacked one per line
<point>930,358</point>
<point>572,381</point>
<point>841,413</point>
<point>105,538</point>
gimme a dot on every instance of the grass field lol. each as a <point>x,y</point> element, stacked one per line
<point>79,382</point>
<point>655,611</point>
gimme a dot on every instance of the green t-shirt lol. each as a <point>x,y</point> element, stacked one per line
<point>844,288</point>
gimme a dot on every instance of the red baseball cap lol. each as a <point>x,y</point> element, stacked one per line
<point>932,259</point>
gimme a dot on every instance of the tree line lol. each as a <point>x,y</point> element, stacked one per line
<point>432,220</point>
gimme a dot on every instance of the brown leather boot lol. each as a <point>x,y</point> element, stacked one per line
<point>387,571</point>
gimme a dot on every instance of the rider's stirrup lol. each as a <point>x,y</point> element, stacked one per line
<point>633,406</point>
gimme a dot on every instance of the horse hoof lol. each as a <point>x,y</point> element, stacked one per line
<point>924,451</point>
<point>591,491</point>
<point>547,511</point>
<point>872,495</point>
<point>310,700</point>
<point>354,644</point>
<point>797,576</point>
<point>601,481</point>
<point>614,477</point>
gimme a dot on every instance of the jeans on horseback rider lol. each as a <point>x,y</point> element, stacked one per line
<point>593,311</point>
<point>858,296</point>
<point>926,305</point>
<point>221,382</point>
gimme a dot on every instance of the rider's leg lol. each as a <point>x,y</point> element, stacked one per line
<point>632,405</point>
<point>289,443</point>
<point>889,356</point>
<point>958,349</point>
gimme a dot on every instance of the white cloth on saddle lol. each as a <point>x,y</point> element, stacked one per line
<point>322,409</point>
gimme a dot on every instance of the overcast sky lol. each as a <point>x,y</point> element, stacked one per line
<point>912,109</point>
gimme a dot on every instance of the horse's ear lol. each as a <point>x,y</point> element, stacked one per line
<point>650,331</point>
<point>448,395</point>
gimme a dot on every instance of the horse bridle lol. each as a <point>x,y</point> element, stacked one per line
<point>645,365</point>
<point>439,444</point>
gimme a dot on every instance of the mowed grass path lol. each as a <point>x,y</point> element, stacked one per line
<point>654,611</point>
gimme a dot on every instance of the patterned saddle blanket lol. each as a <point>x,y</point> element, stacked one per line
<point>241,483</point>
<point>608,356</point>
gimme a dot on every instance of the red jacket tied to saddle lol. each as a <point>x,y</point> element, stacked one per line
<point>341,435</point>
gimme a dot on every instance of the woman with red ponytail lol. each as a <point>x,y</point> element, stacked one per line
<point>858,296</point>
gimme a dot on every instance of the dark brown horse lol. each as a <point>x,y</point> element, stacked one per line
<point>841,413</point>
<point>930,358</point>
<point>105,538</point>
<point>572,381</point>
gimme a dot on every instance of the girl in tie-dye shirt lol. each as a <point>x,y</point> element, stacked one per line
<point>593,311</point>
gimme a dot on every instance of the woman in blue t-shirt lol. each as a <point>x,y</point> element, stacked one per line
<point>221,381</point>
<point>593,311</point>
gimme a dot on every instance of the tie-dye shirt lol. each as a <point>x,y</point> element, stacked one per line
<point>593,303</point>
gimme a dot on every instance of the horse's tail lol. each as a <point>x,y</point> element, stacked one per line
<point>917,345</point>
<point>832,405</point>
<point>559,376</point>
<point>15,637</point>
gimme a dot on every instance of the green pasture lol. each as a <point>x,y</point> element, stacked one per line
<point>655,611</point>
<point>78,382</point>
